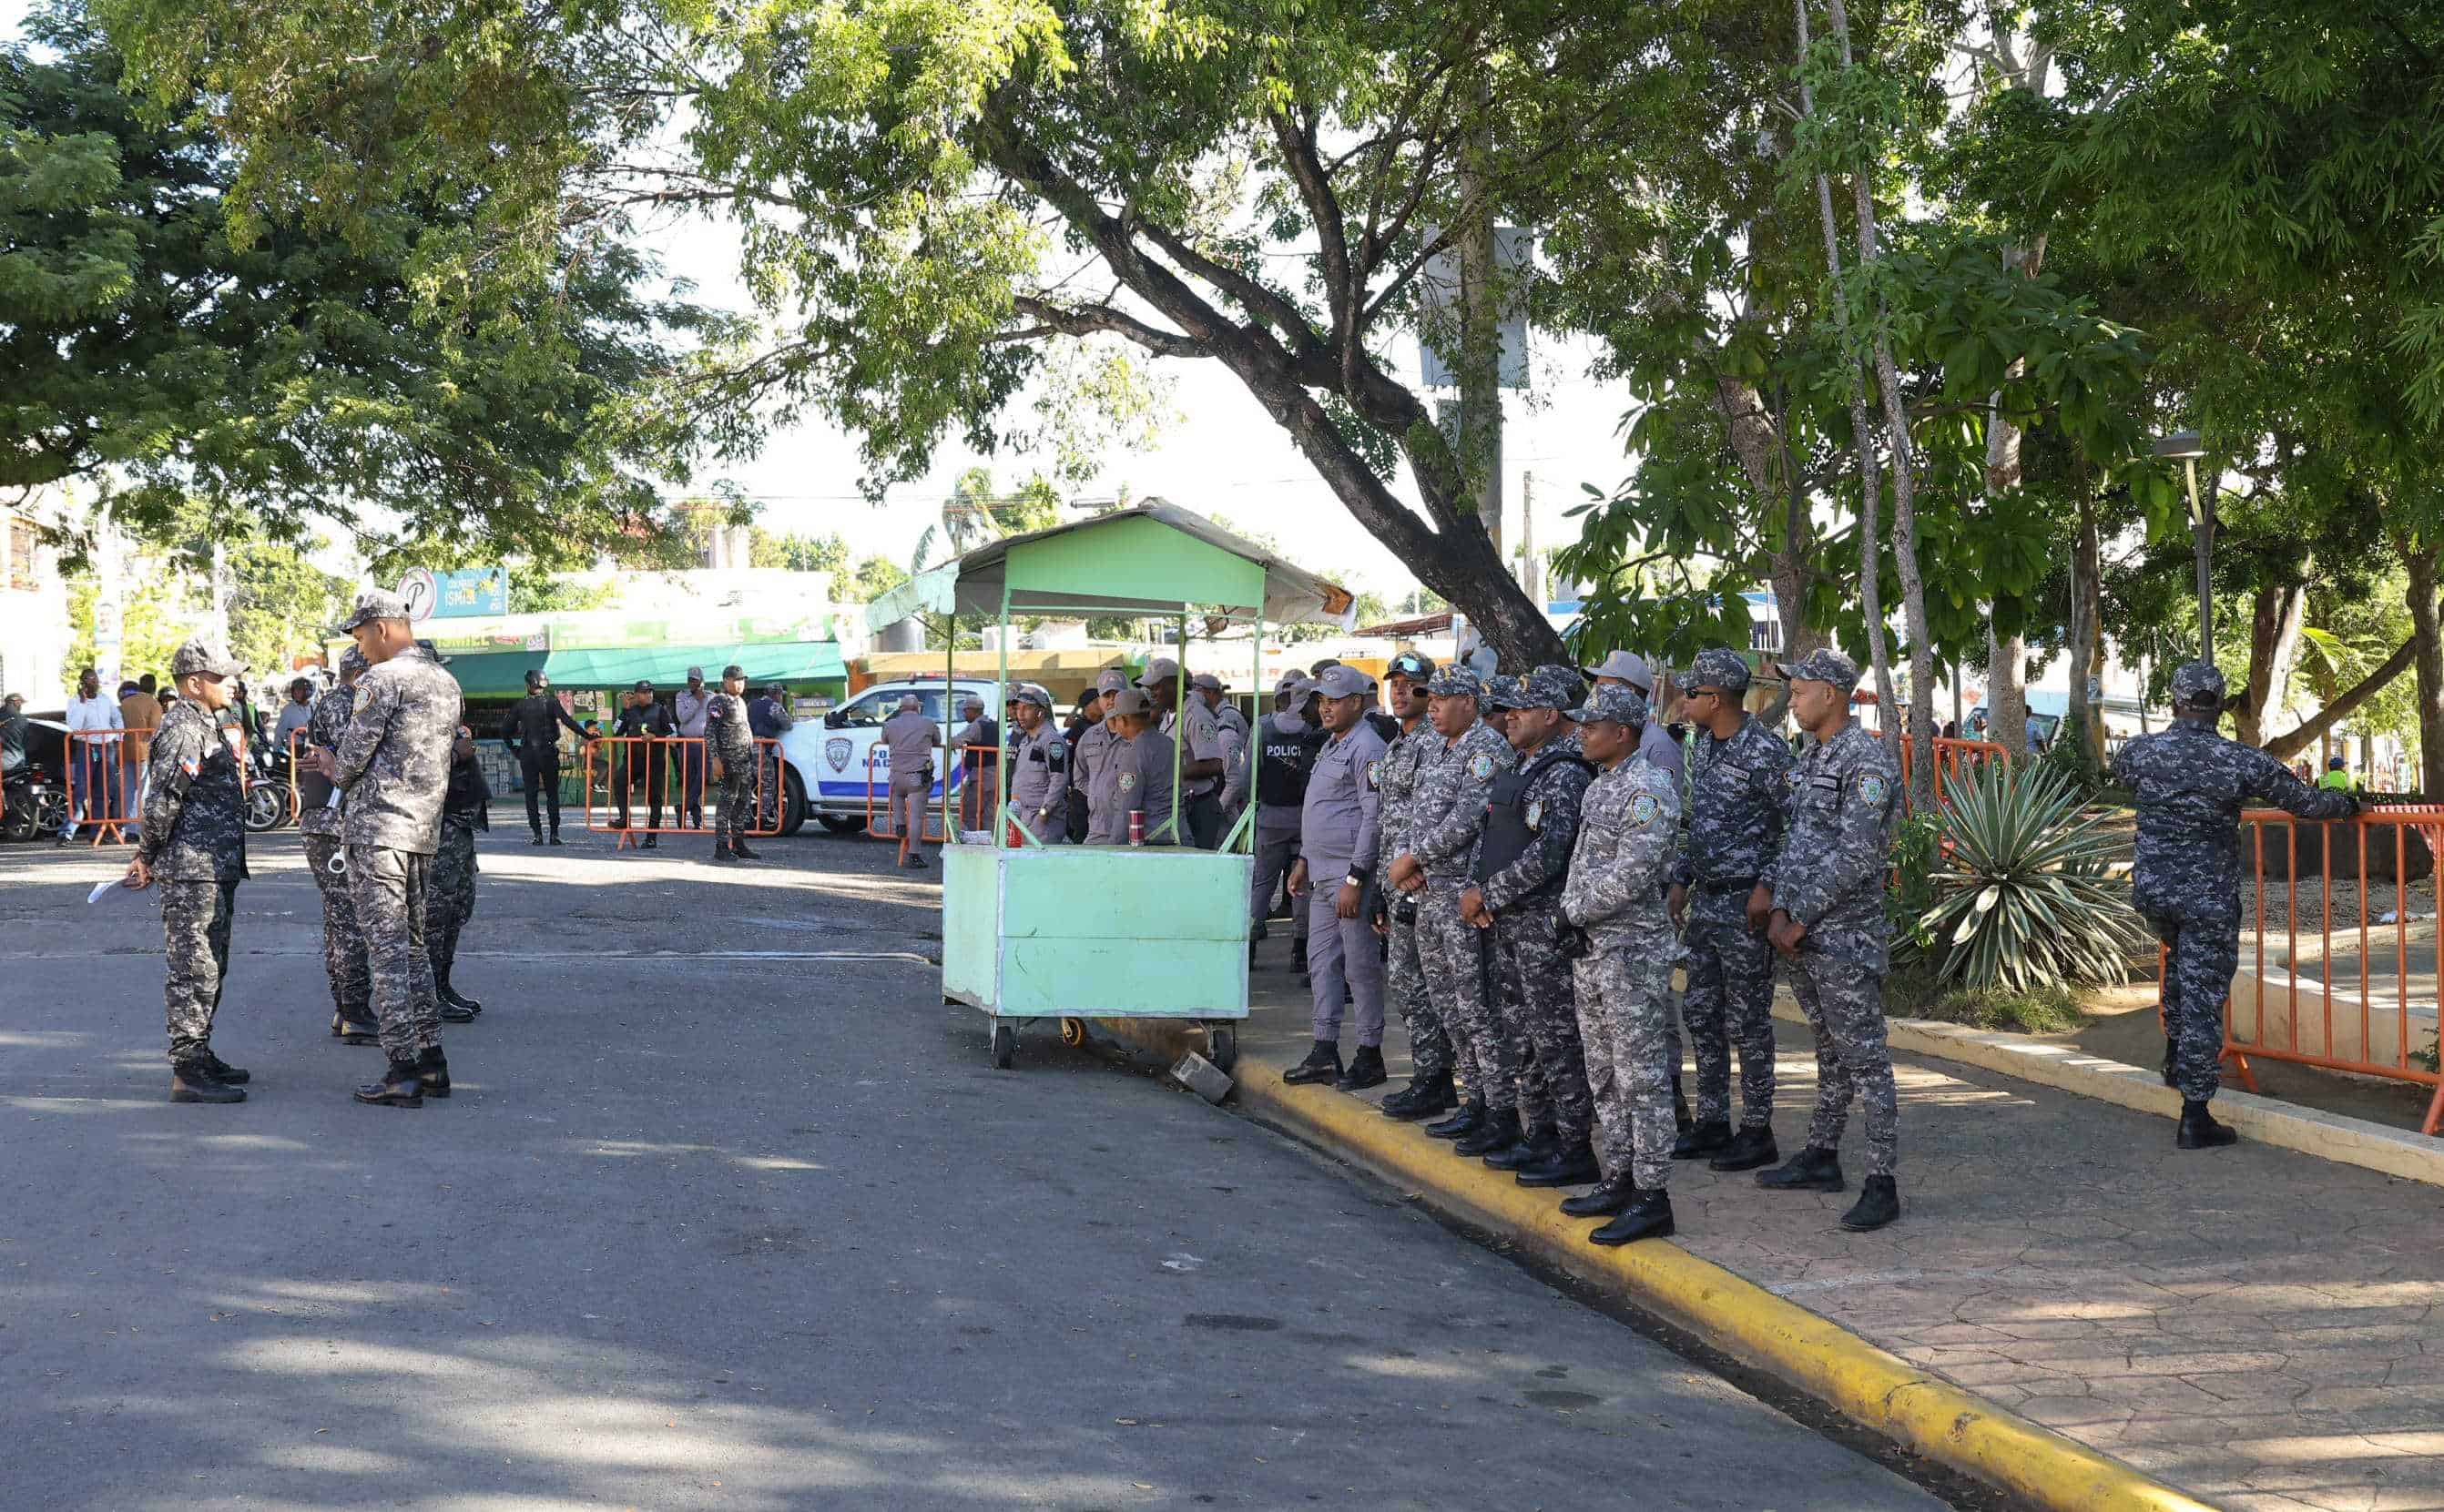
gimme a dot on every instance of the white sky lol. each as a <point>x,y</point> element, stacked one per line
<point>1224,456</point>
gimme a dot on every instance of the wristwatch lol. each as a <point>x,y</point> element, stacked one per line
<point>1360,875</point>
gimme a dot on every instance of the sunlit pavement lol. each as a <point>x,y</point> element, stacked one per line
<point>729,1211</point>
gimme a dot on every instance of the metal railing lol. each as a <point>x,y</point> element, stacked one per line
<point>652,772</point>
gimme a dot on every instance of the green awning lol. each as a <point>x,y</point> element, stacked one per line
<point>503,673</point>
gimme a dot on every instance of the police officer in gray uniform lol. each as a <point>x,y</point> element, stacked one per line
<point>1201,754</point>
<point>1039,756</point>
<point>1738,778</point>
<point>1094,743</point>
<point>1337,825</point>
<point>1284,754</point>
<point>1446,819</point>
<point>193,843</point>
<point>394,766</point>
<point>319,826</point>
<point>1532,823</point>
<point>2191,784</point>
<point>1134,776</point>
<point>1821,900</point>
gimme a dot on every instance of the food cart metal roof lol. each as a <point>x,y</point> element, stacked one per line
<point>1152,559</point>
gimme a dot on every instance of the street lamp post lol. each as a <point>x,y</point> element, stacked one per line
<point>2186,445</point>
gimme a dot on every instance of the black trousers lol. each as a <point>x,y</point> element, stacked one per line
<point>541,771</point>
<point>624,774</point>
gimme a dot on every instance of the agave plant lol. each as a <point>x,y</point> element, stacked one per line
<point>2022,894</point>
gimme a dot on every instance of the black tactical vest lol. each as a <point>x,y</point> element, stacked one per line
<point>1508,833</point>
<point>1282,763</point>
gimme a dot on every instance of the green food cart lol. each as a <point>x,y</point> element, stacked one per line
<point>1032,932</point>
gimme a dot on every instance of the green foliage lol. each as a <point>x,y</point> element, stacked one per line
<point>874,577</point>
<point>2023,897</point>
<point>1916,842</point>
<point>542,593</point>
<point>2045,1009</point>
<point>798,553</point>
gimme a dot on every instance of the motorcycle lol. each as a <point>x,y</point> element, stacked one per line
<point>33,803</point>
<point>267,790</point>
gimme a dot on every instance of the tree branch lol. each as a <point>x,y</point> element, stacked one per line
<point>2339,709</point>
<point>1088,320</point>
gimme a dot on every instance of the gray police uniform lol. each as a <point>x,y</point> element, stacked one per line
<point>2191,784</point>
<point>1843,796</point>
<point>393,765</point>
<point>1532,825</point>
<point>1337,825</point>
<point>1446,820</point>
<point>1200,799</point>
<point>194,840</point>
<point>1039,784</point>
<point>1133,775</point>
<point>1404,978</point>
<point>319,825</point>
<point>1615,892</point>
<point>1730,829</point>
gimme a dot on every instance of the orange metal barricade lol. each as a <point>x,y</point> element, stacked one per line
<point>104,762</point>
<point>2336,1029</point>
<point>629,766</point>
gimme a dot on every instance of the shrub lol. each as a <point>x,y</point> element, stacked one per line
<point>2022,895</point>
<point>2039,1010</point>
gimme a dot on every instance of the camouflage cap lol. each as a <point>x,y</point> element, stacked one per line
<point>1459,680</point>
<point>1550,687</point>
<point>1501,694</point>
<point>204,656</point>
<point>1412,665</point>
<point>2196,685</point>
<point>1338,681</point>
<point>1822,665</point>
<point>374,603</point>
<point>352,662</point>
<point>1614,702</point>
<point>433,650</point>
<point>1721,668</point>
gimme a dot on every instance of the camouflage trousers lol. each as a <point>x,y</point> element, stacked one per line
<point>2205,953</point>
<point>389,888</point>
<point>1404,990</point>
<point>449,896</point>
<point>1730,1001</point>
<point>1540,1013</point>
<point>1845,1002</point>
<point>737,816</point>
<point>343,944</point>
<point>1625,1025</point>
<point>195,934</point>
<point>1453,953</point>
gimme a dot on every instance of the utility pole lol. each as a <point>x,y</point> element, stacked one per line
<point>1480,328</point>
<point>1532,566</point>
<point>219,617</point>
<point>109,608</point>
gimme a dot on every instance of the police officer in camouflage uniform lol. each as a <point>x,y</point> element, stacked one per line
<point>193,841</point>
<point>1532,825</point>
<point>1738,776</point>
<point>1431,1061</point>
<point>1445,823</point>
<point>731,747</point>
<point>1338,821</point>
<point>1823,902</point>
<point>466,807</point>
<point>319,825</point>
<point>1622,972</point>
<point>2190,783</point>
<point>394,766</point>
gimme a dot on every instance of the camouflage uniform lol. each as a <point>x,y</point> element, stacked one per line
<point>1525,895</point>
<point>2191,784</point>
<point>732,744</point>
<point>393,765</point>
<point>1843,798</point>
<point>1730,829</point>
<point>450,897</point>
<point>194,840</point>
<point>1445,823</point>
<point>1405,980</point>
<point>319,825</point>
<point>1615,892</point>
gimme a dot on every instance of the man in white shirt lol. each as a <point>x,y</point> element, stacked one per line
<point>688,708</point>
<point>99,787</point>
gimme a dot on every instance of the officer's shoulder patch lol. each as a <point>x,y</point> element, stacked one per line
<point>1871,787</point>
<point>1795,775</point>
<point>1535,813</point>
<point>1481,767</point>
<point>1373,774</point>
<point>1642,810</point>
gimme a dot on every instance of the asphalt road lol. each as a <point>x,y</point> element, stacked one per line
<point>729,1211</point>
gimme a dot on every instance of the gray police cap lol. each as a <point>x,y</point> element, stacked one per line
<point>1338,681</point>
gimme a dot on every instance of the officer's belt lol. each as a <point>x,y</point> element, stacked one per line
<point>1728,884</point>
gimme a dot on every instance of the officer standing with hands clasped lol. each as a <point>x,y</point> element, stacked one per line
<point>732,747</point>
<point>1430,1090</point>
<point>1133,778</point>
<point>2185,878</point>
<point>394,766</point>
<point>193,841</point>
<point>1532,824</point>
<point>1284,753</point>
<point>1039,784</point>
<point>531,731</point>
<point>1621,965</point>
<point>1336,826</point>
<point>1822,903</point>
<point>319,825</point>
<point>1738,778</point>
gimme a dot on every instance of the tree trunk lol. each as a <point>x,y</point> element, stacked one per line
<point>2276,613</point>
<point>2085,723</point>
<point>2428,651</point>
<point>2007,693</point>
<point>2338,706</point>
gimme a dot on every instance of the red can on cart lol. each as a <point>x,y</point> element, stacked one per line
<point>1137,826</point>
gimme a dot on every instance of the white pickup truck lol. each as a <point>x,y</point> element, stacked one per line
<point>828,765</point>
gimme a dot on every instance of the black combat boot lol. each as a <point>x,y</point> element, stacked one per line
<point>1811,1169</point>
<point>555,836</point>
<point>1648,1216</point>
<point>349,1031</point>
<point>1469,1118</point>
<point>1880,1203</point>
<point>1568,1167</point>
<point>451,995</point>
<point>1749,1149</point>
<point>193,1081</point>
<point>1323,1063</point>
<point>1499,1130</point>
<point>1532,1145</point>
<point>2200,1130</point>
<point>651,842</point>
<point>721,852</point>
<point>433,1070</point>
<point>1365,1070</point>
<point>1422,1098</point>
<point>538,836</point>
<point>738,848</point>
<point>400,1087</point>
<point>1298,953</point>
<point>1602,1200</point>
<point>222,1070</point>
<point>1706,1139</point>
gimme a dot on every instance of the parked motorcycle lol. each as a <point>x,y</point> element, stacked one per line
<point>267,790</point>
<point>33,805</point>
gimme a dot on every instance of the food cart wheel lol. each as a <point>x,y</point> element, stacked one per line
<point>1073,1033</point>
<point>1005,1045</point>
<point>1222,1046</point>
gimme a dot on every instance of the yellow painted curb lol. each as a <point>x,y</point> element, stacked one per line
<point>1872,1386</point>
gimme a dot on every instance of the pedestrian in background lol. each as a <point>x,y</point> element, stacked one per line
<point>909,740</point>
<point>688,708</point>
<point>769,717</point>
<point>139,714</point>
<point>93,762</point>
<point>732,749</point>
<point>531,731</point>
<point>978,743</point>
<point>1337,824</point>
<point>1629,670</point>
<point>294,714</point>
<point>195,846</point>
<point>321,830</point>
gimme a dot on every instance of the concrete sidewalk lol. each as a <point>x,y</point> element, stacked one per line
<point>2257,1327</point>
